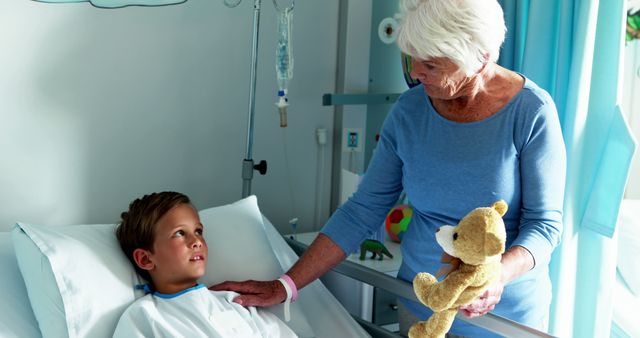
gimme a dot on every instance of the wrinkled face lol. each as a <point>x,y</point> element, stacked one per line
<point>441,77</point>
<point>179,250</point>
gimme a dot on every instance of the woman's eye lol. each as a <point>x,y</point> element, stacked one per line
<point>428,66</point>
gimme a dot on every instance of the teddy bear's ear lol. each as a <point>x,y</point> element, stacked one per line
<point>501,207</point>
<point>493,245</point>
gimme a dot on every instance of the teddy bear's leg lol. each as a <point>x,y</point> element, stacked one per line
<point>419,330</point>
<point>440,322</point>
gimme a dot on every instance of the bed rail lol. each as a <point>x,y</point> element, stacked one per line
<point>491,322</point>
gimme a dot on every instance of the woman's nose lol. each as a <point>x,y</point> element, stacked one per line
<point>417,71</point>
<point>414,72</point>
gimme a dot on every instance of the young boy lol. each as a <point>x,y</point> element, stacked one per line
<point>162,236</point>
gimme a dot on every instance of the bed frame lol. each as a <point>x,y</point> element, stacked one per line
<point>491,322</point>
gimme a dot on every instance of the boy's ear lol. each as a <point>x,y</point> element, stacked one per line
<point>142,258</point>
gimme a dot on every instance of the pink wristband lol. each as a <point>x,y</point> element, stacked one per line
<point>292,285</point>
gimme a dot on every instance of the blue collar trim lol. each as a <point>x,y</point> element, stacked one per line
<point>144,287</point>
<point>173,295</point>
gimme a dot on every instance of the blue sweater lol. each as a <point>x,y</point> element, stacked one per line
<point>447,169</point>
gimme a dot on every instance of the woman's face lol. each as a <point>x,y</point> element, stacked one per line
<point>441,77</point>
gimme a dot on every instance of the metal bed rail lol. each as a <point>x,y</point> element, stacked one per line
<point>491,322</point>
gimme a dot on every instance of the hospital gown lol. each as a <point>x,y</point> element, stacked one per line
<point>197,312</point>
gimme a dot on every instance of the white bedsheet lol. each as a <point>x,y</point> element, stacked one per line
<point>330,318</point>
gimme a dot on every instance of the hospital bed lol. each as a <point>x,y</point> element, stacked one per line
<point>73,281</point>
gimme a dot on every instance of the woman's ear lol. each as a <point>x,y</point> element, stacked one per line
<point>486,57</point>
<point>142,258</point>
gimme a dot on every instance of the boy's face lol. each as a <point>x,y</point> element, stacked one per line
<point>179,251</point>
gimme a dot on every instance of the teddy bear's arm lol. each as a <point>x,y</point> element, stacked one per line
<point>470,294</point>
<point>444,295</point>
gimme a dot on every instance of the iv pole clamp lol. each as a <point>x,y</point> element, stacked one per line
<point>247,173</point>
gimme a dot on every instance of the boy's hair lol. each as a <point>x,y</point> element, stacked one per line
<point>137,227</point>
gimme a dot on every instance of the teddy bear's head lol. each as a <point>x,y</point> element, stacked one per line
<point>479,237</point>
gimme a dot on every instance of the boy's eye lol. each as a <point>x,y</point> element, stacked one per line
<point>179,233</point>
<point>199,231</point>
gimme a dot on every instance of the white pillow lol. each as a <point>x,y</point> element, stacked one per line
<point>239,250</point>
<point>16,317</point>
<point>77,270</point>
<point>79,281</point>
<point>629,244</point>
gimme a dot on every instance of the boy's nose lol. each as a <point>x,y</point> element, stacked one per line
<point>196,242</point>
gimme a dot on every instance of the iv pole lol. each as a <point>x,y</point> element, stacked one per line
<point>247,164</point>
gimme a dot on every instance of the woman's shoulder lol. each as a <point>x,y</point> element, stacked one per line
<point>534,95</point>
<point>407,113</point>
<point>410,103</point>
<point>412,95</point>
<point>534,110</point>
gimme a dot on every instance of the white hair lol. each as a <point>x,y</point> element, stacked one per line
<point>468,32</point>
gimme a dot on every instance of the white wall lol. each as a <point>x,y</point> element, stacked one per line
<point>100,106</point>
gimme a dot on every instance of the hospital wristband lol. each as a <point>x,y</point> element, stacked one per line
<point>292,285</point>
<point>287,301</point>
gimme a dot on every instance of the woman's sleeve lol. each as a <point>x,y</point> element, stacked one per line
<point>542,170</point>
<point>378,191</point>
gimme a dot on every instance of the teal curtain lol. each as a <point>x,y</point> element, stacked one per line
<point>573,49</point>
<point>120,3</point>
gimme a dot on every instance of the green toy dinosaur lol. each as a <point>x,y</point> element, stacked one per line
<point>375,247</point>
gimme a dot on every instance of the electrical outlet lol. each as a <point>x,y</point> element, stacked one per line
<point>351,139</point>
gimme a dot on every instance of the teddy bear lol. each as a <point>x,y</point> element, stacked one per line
<point>478,241</point>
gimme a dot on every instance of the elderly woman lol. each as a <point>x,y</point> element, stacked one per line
<point>472,133</point>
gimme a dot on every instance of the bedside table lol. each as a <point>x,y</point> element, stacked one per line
<point>363,300</point>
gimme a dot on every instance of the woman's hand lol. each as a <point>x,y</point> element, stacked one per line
<point>485,303</point>
<point>515,262</point>
<point>254,293</point>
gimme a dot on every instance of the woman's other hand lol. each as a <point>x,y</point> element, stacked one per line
<point>254,293</point>
<point>485,303</point>
<point>515,262</point>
